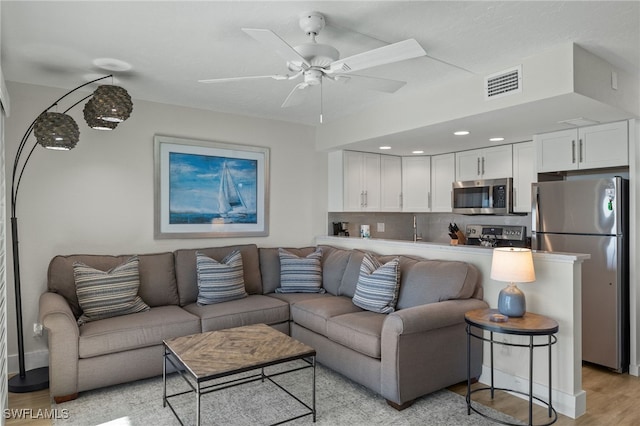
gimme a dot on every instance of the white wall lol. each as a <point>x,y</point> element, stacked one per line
<point>98,197</point>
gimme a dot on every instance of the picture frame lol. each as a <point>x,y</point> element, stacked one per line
<point>207,189</point>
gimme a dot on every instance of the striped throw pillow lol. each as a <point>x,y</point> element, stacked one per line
<point>106,294</point>
<point>300,274</point>
<point>220,281</point>
<point>378,285</point>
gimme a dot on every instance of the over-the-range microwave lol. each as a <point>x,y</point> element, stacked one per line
<point>488,196</point>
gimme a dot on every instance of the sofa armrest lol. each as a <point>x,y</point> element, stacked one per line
<point>428,317</point>
<point>63,334</point>
<point>424,349</point>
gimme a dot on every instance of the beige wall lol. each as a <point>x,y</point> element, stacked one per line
<point>98,197</point>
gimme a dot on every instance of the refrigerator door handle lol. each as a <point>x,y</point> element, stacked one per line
<point>535,215</point>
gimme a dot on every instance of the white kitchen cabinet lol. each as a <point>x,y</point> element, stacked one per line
<point>443,174</point>
<point>486,163</point>
<point>416,184</point>
<point>390,183</point>
<point>524,174</point>
<point>593,147</point>
<point>361,181</point>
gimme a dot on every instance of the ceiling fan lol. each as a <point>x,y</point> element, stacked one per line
<point>314,61</point>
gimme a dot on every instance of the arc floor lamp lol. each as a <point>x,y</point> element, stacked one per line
<point>107,106</point>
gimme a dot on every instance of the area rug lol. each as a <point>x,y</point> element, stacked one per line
<point>339,401</point>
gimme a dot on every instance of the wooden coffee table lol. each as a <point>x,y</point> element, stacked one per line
<point>203,357</point>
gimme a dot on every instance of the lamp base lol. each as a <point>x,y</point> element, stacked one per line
<point>33,380</point>
<point>511,301</point>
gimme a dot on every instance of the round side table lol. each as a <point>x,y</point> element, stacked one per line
<point>531,325</point>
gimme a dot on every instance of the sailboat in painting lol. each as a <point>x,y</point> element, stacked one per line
<point>230,201</point>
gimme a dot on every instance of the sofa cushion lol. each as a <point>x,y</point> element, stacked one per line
<point>300,274</point>
<point>157,277</point>
<point>270,265</point>
<point>351,274</point>
<point>135,331</point>
<point>377,288</point>
<point>314,313</point>
<point>359,331</point>
<point>106,294</point>
<point>186,275</point>
<point>429,281</point>
<point>220,281</point>
<point>293,298</point>
<point>334,265</point>
<point>254,309</point>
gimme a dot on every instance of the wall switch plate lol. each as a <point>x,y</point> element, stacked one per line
<point>380,227</point>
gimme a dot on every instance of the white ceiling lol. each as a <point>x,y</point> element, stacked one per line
<point>169,45</point>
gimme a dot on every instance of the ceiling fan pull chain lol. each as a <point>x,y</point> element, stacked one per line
<point>320,101</point>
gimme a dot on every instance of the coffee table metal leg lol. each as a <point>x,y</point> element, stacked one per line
<point>164,378</point>
<point>198,395</point>
<point>313,393</point>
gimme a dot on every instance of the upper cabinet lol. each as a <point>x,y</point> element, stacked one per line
<point>443,173</point>
<point>390,183</point>
<point>416,184</point>
<point>361,181</point>
<point>486,163</point>
<point>524,174</point>
<point>593,147</point>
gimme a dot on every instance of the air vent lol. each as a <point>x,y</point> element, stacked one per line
<point>503,83</point>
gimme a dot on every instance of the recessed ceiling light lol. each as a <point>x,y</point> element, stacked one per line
<point>461,133</point>
<point>496,139</point>
<point>385,147</point>
<point>417,152</point>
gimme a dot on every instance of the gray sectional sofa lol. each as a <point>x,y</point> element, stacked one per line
<point>417,349</point>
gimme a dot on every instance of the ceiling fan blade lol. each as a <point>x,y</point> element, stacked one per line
<point>372,83</point>
<point>296,96</point>
<point>271,39</point>
<point>395,52</point>
<point>251,77</point>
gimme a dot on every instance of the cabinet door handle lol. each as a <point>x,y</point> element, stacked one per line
<point>478,166</point>
<point>483,165</point>
<point>580,152</point>
<point>429,199</point>
<point>573,151</point>
<point>366,198</point>
<point>361,198</point>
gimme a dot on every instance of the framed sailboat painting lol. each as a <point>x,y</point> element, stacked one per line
<point>210,189</point>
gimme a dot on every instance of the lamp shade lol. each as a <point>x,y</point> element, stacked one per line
<point>111,103</point>
<point>512,264</point>
<point>55,130</point>
<point>92,120</point>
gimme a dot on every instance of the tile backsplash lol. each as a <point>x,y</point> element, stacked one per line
<point>431,227</point>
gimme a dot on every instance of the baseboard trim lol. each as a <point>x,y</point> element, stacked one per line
<point>634,370</point>
<point>35,359</point>
<point>572,406</point>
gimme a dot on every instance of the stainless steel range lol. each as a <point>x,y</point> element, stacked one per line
<point>497,236</point>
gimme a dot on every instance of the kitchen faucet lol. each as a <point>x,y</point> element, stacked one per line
<point>415,230</point>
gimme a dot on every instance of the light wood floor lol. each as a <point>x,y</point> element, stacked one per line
<point>612,399</point>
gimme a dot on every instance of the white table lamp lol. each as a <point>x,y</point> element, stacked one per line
<point>512,265</point>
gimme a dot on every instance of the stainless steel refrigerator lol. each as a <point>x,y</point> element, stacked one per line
<point>591,216</point>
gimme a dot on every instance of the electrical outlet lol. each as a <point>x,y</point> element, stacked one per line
<point>380,226</point>
<point>37,329</point>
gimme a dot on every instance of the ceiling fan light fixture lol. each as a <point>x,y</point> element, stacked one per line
<point>112,103</point>
<point>57,131</point>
